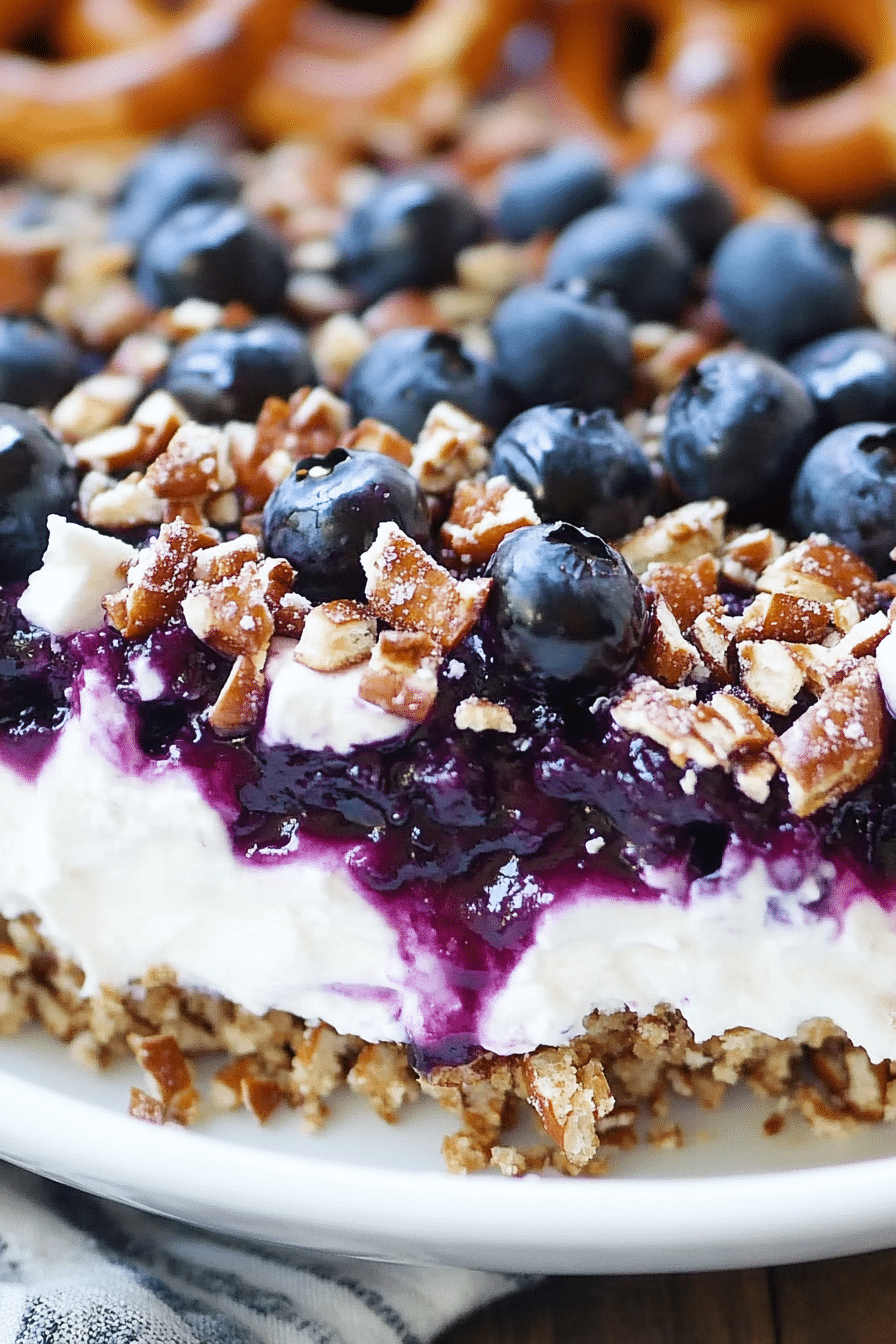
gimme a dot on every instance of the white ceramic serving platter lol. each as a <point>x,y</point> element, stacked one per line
<point>731,1197</point>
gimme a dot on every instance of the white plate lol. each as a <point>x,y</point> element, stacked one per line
<point>731,1197</point>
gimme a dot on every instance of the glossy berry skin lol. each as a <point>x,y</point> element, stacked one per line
<point>544,193</point>
<point>635,256</point>
<point>697,205</point>
<point>38,363</point>
<point>567,610</point>
<point>738,426</point>
<point>226,374</point>
<point>164,180</point>
<point>406,235</point>
<point>847,488</point>
<point>780,284</point>
<point>213,251</point>
<point>552,346</point>
<point>326,514</point>
<point>36,479</point>
<point>850,376</point>
<point>576,468</point>
<point>406,372</point>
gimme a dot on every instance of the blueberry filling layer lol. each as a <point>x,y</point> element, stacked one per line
<point>437,815</point>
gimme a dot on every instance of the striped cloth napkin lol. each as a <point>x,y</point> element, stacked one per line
<point>75,1269</point>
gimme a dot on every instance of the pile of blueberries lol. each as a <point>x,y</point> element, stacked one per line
<point>794,427</point>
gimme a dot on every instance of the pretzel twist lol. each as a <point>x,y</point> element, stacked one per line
<point>707,93</point>
<point>207,56</point>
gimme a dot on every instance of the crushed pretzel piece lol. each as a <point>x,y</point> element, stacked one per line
<point>861,639</point>
<point>240,699</point>
<point>169,1069</point>
<point>191,317</point>
<point>820,570</point>
<point>685,587</point>
<point>96,404</point>
<point>482,514</point>
<point>142,355</point>
<point>383,1075</point>
<point>316,421</point>
<point>450,448</point>
<point>569,1098</point>
<point>195,463</point>
<point>748,554</point>
<point>837,744</point>
<point>667,655</point>
<point>713,638</point>
<point>784,616</point>
<point>401,676</point>
<point>336,635</point>
<point>482,716</point>
<point>157,582</point>
<point>770,673</point>
<point>678,537</point>
<point>231,614</point>
<point>225,560</point>
<point>115,449</point>
<point>406,588</point>
<point>160,417</point>
<point>372,436</point>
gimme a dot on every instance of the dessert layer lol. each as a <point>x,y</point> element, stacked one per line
<point>767,941</point>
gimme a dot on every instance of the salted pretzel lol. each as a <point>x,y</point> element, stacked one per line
<point>350,78</point>
<point>209,54</point>
<point>708,91</point>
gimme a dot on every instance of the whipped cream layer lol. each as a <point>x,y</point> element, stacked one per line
<point>129,867</point>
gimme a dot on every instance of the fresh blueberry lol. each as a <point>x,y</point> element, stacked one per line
<point>552,346</point>
<point>164,180</point>
<point>566,608</point>
<point>36,479</point>
<point>576,468</point>
<point>781,284</point>
<point>850,376</point>
<point>635,256</point>
<point>406,235</point>
<point>38,363</point>
<point>738,426</point>
<point>214,251</point>
<point>847,489</point>
<point>546,192</point>
<point>226,374</point>
<point>698,205</point>
<point>326,513</point>
<point>406,372</point>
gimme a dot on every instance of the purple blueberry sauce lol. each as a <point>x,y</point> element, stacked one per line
<point>460,839</point>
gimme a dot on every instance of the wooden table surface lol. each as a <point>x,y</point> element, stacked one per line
<point>850,1301</point>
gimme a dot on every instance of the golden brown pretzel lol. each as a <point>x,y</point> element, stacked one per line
<point>207,57</point>
<point>346,77</point>
<point>707,92</point>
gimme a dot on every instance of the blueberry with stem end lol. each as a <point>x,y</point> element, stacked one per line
<point>547,191</point>
<point>738,427</point>
<point>781,284</point>
<point>638,258</point>
<point>567,610</point>
<point>576,467</point>
<point>551,346</point>
<point>406,235</point>
<point>846,488</point>
<point>226,374</point>
<point>326,513</point>
<point>405,372</point>
<point>850,376</point>
<point>213,251</point>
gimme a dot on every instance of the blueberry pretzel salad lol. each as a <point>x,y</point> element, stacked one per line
<point>446,587</point>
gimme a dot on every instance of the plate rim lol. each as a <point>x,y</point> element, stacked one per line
<point>525,1225</point>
